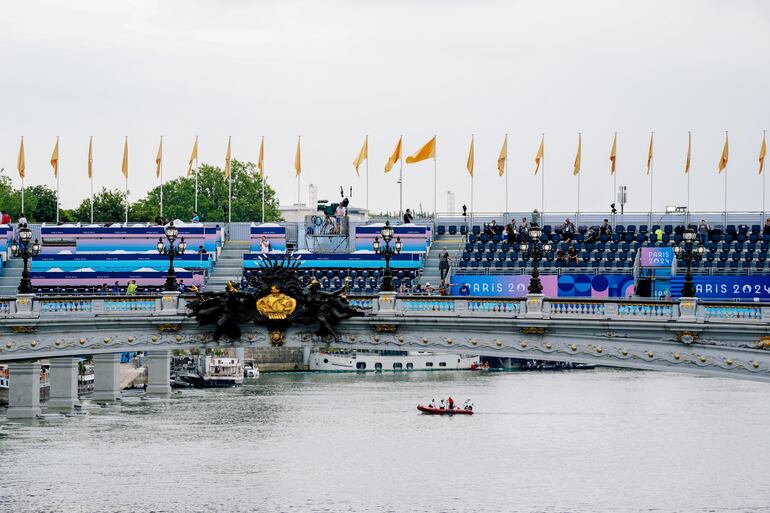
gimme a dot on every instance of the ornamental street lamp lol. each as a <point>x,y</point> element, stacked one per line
<point>171,234</point>
<point>23,248</point>
<point>387,252</point>
<point>689,250</point>
<point>536,252</point>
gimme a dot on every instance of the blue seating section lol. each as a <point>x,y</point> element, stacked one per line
<point>362,281</point>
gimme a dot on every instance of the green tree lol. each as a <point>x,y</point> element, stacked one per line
<point>179,197</point>
<point>109,206</point>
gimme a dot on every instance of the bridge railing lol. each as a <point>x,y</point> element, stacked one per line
<point>529,307</point>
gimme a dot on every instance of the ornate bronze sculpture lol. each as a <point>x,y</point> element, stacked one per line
<point>274,298</point>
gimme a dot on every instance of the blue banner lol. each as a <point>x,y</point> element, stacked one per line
<point>725,287</point>
<point>565,285</point>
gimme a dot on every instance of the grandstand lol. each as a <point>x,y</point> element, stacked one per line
<point>80,259</point>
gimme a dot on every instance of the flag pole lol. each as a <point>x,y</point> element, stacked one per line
<point>91,177</point>
<point>299,206</point>
<point>262,172</point>
<point>126,200</point>
<point>196,175</point>
<point>58,201</point>
<point>401,178</point>
<point>435,182</point>
<point>367,174</point>
<point>613,197</point>
<point>506,173</point>
<point>652,172</point>
<point>725,183</point>
<point>160,165</point>
<point>542,187</point>
<point>764,134</point>
<point>472,177</point>
<point>577,215</point>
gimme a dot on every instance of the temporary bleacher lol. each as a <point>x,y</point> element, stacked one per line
<point>83,258</point>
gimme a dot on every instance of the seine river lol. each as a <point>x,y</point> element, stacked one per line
<point>578,441</point>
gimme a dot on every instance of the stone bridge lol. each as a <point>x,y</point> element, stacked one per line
<point>711,338</point>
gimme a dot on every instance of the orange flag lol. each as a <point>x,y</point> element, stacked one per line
<point>362,155</point>
<point>124,166</point>
<point>193,156</point>
<point>227,159</point>
<point>649,155</point>
<point>91,157</point>
<point>159,158</point>
<point>428,151</point>
<point>613,153</point>
<point>578,157</point>
<point>762,153</point>
<point>55,158</point>
<point>298,159</point>
<point>395,157</point>
<point>470,163</point>
<point>689,153</point>
<point>261,161</point>
<point>725,155</point>
<point>20,164</point>
<point>503,157</point>
<point>540,154</point>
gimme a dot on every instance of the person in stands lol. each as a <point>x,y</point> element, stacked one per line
<point>572,256</point>
<point>605,229</point>
<point>465,290</point>
<point>703,231</point>
<point>105,290</point>
<point>5,218</point>
<point>22,220</point>
<point>523,230</point>
<point>568,230</point>
<point>403,289</point>
<point>428,290</point>
<point>535,217</point>
<point>195,217</point>
<point>561,256</point>
<point>659,234</point>
<point>201,250</point>
<point>131,288</point>
<point>765,229</point>
<point>591,236</point>
<point>408,217</point>
<point>182,287</point>
<point>443,264</point>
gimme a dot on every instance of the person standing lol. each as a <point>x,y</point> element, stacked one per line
<point>703,231</point>
<point>195,217</point>
<point>443,264</point>
<point>535,217</point>
<point>131,288</point>
<point>408,217</point>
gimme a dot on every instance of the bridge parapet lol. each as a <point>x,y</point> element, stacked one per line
<point>530,307</point>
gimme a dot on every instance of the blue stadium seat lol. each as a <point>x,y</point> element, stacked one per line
<point>463,229</point>
<point>441,229</point>
<point>452,230</point>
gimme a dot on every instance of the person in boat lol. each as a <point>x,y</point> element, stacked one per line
<point>451,403</point>
<point>432,403</point>
<point>441,405</point>
<point>468,405</point>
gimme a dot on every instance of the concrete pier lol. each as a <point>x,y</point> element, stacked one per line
<point>24,391</point>
<point>106,377</point>
<point>158,373</point>
<point>63,377</point>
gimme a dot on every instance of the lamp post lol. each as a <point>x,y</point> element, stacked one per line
<point>171,234</point>
<point>536,252</point>
<point>689,250</point>
<point>23,248</point>
<point>387,252</point>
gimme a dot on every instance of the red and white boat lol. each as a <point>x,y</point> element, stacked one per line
<point>443,411</point>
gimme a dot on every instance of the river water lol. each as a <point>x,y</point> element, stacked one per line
<point>582,441</point>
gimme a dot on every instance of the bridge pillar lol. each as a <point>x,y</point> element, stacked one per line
<point>240,353</point>
<point>63,377</point>
<point>106,377</point>
<point>534,306</point>
<point>25,305</point>
<point>24,390</point>
<point>688,307</point>
<point>158,373</point>
<point>170,302</point>
<point>306,355</point>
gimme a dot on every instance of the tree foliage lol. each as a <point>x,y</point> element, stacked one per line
<point>178,200</point>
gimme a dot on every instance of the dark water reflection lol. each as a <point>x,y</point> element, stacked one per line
<point>602,440</point>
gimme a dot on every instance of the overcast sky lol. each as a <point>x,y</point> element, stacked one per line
<point>334,71</point>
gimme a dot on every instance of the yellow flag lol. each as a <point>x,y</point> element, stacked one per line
<point>159,158</point>
<point>503,157</point>
<point>394,157</point>
<point>725,155</point>
<point>649,155</point>
<point>55,158</point>
<point>20,163</point>
<point>540,154</point>
<point>227,159</point>
<point>298,159</point>
<point>193,156</point>
<point>762,153</point>
<point>426,152</point>
<point>689,153</point>
<point>469,166</point>
<point>576,168</point>
<point>362,155</point>
<point>91,157</point>
<point>613,153</point>
<point>261,161</point>
<point>124,167</point>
